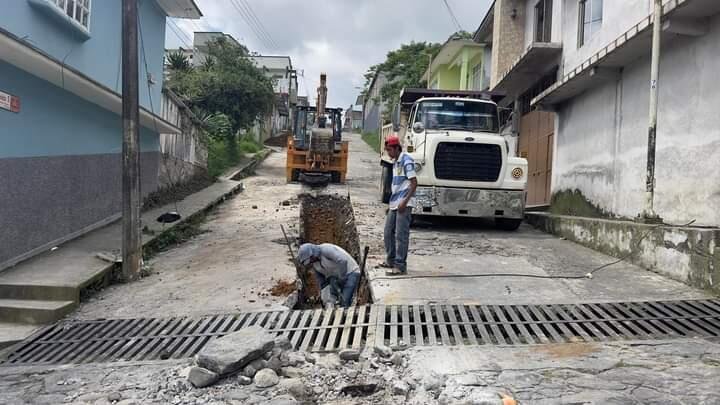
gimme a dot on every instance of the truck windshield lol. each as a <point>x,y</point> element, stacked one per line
<point>458,114</point>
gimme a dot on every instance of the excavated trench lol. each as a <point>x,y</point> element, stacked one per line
<point>329,218</point>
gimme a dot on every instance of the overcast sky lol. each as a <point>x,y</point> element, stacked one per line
<point>339,37</point>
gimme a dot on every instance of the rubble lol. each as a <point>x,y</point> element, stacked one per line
<point>232,352</point>
<point>266,378</point>
<point>349,354</point>
<point>200,377</point>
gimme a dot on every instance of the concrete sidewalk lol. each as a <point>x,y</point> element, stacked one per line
<point>47,287</point>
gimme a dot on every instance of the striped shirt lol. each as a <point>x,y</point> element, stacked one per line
<point>403,171</point>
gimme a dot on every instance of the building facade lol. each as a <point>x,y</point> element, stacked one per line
<point>284,76</point>
<point>525,54</point>
<point>601,99</point>
<point>459,65</point>
<point>61,141</point>
<point>373,104</point>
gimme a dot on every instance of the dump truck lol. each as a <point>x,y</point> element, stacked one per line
<point>464,167</point>
<point>316,153</point>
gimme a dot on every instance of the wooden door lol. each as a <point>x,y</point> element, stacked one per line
<point>536,145</point>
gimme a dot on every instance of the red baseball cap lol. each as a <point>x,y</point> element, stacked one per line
<point>392,140</point>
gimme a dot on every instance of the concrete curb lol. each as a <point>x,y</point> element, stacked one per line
<point>690,255</point>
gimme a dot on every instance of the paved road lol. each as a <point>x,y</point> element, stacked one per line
<point>443,247</point>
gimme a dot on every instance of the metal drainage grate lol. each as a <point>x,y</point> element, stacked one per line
<point>418,325</point>
<point>151,339</point>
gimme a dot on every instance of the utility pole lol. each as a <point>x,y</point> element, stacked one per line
<point>131,242</point>
<point>649,214</point>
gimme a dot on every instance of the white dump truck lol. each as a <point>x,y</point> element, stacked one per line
<point>464,166</point>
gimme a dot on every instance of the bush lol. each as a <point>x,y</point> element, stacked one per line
<point>226,153</point>
<point>248,145</point>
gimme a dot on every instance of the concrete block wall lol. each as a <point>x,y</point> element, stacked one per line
<point>508,37</point>
<point>688,255</point>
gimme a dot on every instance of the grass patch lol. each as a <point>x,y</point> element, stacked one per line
<point>372,139</point>
<point>224,154</point>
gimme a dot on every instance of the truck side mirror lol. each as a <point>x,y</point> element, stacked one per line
<point>418,127</point>
<point>395,118</point>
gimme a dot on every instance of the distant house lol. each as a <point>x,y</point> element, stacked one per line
<point>60,106</point>
<point>200,45</point>
<point>373,105</point>
<point>459,65</point>
<point>280,69</point>
<point>353,119</point>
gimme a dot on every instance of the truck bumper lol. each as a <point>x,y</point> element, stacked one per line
<point>469,202</point>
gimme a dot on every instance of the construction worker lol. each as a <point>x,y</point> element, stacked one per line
<point>399,215</point>
<point>336,271</point>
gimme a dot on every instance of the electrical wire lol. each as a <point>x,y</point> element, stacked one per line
<point>452,16</point>
<point>259,23</point>
<point>251,23</point>
<point>588,275</point>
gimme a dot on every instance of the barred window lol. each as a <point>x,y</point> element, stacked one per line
<point>78,10</point>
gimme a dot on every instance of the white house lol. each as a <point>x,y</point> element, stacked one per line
<point>600,97</point>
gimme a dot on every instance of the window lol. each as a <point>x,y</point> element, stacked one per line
<point>477,79</point>
<point>463,115</point>
<point>77,10</point>
<point>589,19</point>
<point>543,20</point>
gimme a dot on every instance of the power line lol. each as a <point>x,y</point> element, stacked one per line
<point>251,24</point>
<point>259,23</point>
<point>452,16</point>
<point>174,29</point>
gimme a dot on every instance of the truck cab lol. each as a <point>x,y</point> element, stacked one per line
<point>464,166</point>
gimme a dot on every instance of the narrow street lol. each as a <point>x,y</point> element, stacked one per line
<point>233,264</point>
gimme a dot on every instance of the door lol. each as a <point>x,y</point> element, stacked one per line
<point>536,145</point>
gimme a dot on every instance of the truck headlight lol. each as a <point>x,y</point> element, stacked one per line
<point>418,167</point>
<point>517,173</point>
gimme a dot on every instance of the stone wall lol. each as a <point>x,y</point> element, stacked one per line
<point>508,37</point>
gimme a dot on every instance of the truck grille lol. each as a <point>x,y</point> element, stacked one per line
<point>468,161</point>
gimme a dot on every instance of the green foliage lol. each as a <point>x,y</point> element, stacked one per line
<point>248,145</point>
<point>372,139</point>
<point>404,68</point>
<point>176,61</point>
<point>228,83</point>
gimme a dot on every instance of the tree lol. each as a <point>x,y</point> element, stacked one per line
<point>228,83</point>
<point>177,61</point>
<point>404,68</point>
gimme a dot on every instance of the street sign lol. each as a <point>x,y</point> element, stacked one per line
<point>9,102</point>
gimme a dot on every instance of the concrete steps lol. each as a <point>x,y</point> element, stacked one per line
<point>11,333</point>
<point>34,312</point>
<point>39,292</point>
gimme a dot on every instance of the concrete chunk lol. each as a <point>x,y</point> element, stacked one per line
<point>200,377</point>
<point>232,352</point>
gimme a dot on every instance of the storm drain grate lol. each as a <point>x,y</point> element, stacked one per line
<point>332,330</point>
<point>439,324</point>
<point>172,338</point>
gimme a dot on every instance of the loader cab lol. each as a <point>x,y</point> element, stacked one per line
<point>302,125</point>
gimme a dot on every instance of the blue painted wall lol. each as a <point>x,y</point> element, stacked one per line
<point>99,56</point>
<point>54,122</point>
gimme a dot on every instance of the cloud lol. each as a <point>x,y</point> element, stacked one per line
<point>340,37</point>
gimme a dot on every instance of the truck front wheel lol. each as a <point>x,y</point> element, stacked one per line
<point>508,224</point>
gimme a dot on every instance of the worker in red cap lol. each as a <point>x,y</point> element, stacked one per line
<point>402,201</point>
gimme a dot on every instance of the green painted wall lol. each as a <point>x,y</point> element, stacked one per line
<point>448,75</point>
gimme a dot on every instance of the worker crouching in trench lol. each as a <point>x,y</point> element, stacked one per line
<point>336,271</point>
